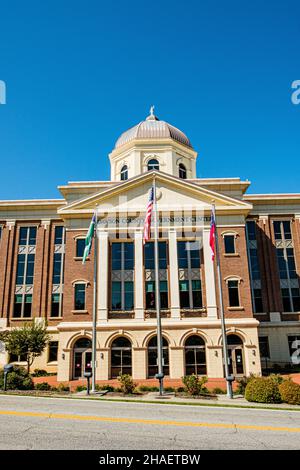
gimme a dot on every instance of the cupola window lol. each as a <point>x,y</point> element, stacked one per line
<point>153,165</point>
<point>182,171</point>
<point>124,173</point>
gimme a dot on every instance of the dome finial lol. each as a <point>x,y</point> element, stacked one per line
<point>152,116</point>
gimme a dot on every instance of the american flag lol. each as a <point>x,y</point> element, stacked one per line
<point>147,224</point>
<point>212,234</point>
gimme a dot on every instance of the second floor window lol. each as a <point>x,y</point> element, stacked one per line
<point>233,293</point>
<point>229,244</point>
<point>79,301</point>
<point>122,277</point>
<point>80,246</point>
<point>149,258</point>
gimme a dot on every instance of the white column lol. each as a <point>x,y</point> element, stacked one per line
<point>173,275</point>
<point>138,276</point>
<point>102,276</point>
<point>210,282</point>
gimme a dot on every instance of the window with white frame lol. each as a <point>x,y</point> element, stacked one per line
<point>124,173</point>
<point>25,272</point>
<point>189,267</point>
<point>122,276</point>
<point>289,283</point>
<point>153,164</point>
<point>254,268</point>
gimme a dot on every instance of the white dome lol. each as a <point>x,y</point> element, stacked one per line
<point>153,128</point>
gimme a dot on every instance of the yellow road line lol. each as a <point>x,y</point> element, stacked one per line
<point>146,421</point>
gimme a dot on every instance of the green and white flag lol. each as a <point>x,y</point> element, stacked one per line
<point>89,239</point>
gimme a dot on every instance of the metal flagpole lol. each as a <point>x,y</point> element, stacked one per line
<point>160,375</point>
<point>224,337</point>
<point>94,332</point>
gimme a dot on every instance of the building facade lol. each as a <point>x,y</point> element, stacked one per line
<point>42,277</point>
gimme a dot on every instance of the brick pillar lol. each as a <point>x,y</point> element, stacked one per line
<point>9,282</point>
<point>38,272</point>
<point>46,260</point>
<point>296,240</point>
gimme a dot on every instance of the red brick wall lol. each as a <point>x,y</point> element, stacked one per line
<point>74,270</point>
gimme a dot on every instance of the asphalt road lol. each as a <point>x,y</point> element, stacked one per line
<point>45,423</point>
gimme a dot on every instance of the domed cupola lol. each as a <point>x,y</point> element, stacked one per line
<point>153,128</point>
<point>152,145</point>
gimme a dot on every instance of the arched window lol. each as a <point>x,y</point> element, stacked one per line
<point>124,173</point>
<point>182,171</point>
<point>234,340</point>
<point>195,357</point>
<point>121,362</point>
<point>152,357</point>
<point>153,164</point>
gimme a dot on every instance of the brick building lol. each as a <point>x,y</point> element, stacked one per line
<point>42,276</point>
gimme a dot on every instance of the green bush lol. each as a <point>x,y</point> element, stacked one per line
<point>263,390</point>
<point>194,385</point>
<point>147,388</point>
<point>242,384</point>
<point>42,386</point>
<point>169,389</point>
<point>277,378</point>
<point>127,384</point>
<point>219,391</point>
<point>18,379</point>
<point>290,392</point>
<point>63,388</point>
<point>39,373</point>
<point>80,388</point>
<point>180,389</point>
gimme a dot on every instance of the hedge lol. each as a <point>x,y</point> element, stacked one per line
<point>263,390</point>
<point>290,392</point>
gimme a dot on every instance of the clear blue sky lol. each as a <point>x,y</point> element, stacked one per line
<point>80,73</point>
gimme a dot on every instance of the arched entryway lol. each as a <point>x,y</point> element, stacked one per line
<point>82,357</point>
<point>121,357</point>
<point>152,357</point>
<point>195,356</point>
<point>236,355</point>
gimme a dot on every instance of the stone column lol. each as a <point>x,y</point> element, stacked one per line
<point>102,276</point>
<point>173,275</point>
<point>138,276</point>
<point>210,281</point>
<point>139,363</point>
<point>176,361</point>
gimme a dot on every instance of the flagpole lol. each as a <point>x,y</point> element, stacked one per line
<point>222,316</point>
<point>94,329</point>
<point>160,375</point>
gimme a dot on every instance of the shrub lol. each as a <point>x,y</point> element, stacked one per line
<point>290,392</point>
<point>277,378</point>
<point>39,373</point>
<point>63,388</point>
<point>147,388</point>
<point>80,388</point>
<point>262,390</point>
<point>242,384</point>
<point>127,384</point>
<point>218,391</point>
<point>194,385</point>
<point>169,389</point>
<point>18,379</point>
<point>42,386</point>
<point>180,389</point>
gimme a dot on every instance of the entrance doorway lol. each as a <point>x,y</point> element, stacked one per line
<point>82,357</point>
<point>236,355</point>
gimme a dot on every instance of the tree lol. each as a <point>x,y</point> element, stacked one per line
<point>30,340</point>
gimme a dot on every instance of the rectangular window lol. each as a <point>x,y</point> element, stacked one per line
<point>150,295</point>
<point>229,244</point>
<point>30,269</point>
<point>188,254</point>
<point>16,358</point>
<point>254,268</point>
<point>122,266</point>
<point>80,246</point>
<point>18,306</point>
<point>20,269</point>
<point>57,268</point>
<point>27,305</point>
<point>59,235</point>
<point>79,296</point>
<point>290,293</point>
<point>264,346</point>
<point>233,293</point>
<point>150,258</point>
<point>22,306</point>
<point>55,305</point>
<point>53,351</point>
<point>190,294</point>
